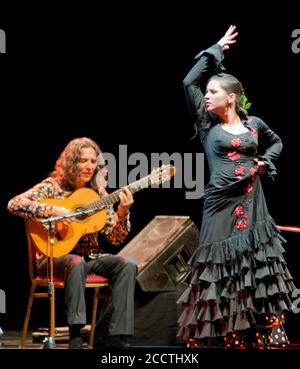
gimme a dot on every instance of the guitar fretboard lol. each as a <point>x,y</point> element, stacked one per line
<point>114,197</point>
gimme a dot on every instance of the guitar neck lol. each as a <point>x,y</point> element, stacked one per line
<point>114,197</point>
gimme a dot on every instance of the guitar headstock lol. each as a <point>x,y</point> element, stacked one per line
<point>162,174</point>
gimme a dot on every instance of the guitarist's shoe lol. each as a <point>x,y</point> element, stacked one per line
<point>116,342</point>
<point>76,343</point>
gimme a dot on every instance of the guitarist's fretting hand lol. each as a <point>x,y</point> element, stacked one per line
<point>126,200</point>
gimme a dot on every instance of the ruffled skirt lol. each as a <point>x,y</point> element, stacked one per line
<point>238,290</point>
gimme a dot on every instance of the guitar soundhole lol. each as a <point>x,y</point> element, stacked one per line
<point>81,217</point>
<point>58,236</point>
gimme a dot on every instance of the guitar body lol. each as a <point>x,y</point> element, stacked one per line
<point>66,237</point>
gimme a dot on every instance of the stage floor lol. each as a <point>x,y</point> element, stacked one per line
<point>11,340</point>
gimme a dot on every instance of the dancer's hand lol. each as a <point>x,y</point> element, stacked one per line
<point>261,166</point>
<point>228,38</point>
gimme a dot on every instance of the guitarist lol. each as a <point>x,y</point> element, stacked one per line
<point>75,169</point>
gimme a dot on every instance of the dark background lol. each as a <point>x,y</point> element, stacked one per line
<point>115,74</point>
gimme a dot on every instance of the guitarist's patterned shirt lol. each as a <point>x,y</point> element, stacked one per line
<point>27,205</point>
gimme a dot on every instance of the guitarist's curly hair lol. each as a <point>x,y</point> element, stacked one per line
<point>65,170</point>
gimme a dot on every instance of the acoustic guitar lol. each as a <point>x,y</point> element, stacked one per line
<point>86,199</point>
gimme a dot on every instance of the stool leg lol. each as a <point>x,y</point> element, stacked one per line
<point>27,316</point>
<point>94,315</point>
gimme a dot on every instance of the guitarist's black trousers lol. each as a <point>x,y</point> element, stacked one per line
<point>121,273</point>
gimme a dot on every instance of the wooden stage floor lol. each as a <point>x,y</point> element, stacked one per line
<point>11,340</point>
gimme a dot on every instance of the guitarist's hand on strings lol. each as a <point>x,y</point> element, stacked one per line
<point>126,200</point>
<point>60,210</point>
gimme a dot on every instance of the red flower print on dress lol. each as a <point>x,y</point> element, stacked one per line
<point>253,132</point>
<point>241,212</point>
<point>236,142</point>
<point>238,211</point>
<point>240,171</point>
<point>248,188</point>
<point>253,171</point>
<point>241,224</point>
<point>249,120</point>
<point>233,155</point>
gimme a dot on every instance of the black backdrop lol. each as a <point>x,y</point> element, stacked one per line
<point>115,74</point>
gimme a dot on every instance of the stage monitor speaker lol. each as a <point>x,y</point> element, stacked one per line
<point>162,250</point>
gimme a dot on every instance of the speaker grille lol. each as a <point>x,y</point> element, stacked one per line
<point>162,250</point>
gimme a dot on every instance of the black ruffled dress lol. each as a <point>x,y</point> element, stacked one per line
<point>238,281</point>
